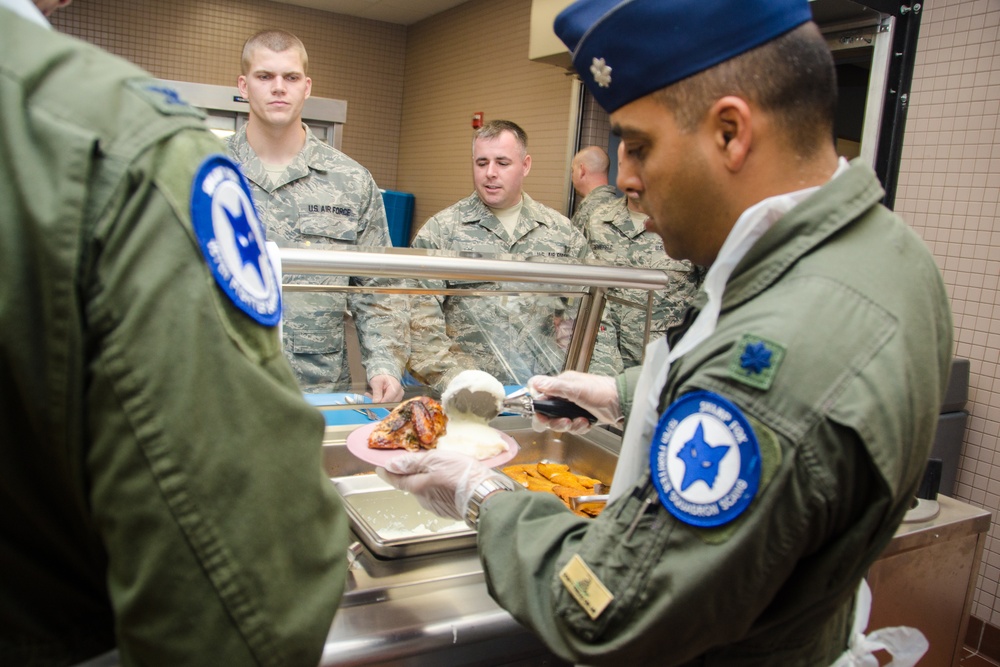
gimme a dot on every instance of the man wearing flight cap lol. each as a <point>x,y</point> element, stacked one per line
<point>775,439</point>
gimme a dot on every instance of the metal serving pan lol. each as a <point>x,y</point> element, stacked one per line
<point>392,524</point>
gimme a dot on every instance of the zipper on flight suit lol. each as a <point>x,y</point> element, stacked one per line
<point>649,501</point>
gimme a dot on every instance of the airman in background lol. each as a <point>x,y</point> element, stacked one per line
<point>510,337</point>
<point>590,180</point>
<point>310,195</point>
<point>617,235</point>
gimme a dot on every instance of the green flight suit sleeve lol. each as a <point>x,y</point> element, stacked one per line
<point>626,383</point>
<point>225,540</point>
<point>678,590</point>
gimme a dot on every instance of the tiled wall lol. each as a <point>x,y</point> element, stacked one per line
<point>474,58</point>
<point>356,60</point>
<point>949,189</point>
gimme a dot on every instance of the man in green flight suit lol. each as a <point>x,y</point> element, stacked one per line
<point>310,195</point>
<point>162,482</point>
<point>776,436</point>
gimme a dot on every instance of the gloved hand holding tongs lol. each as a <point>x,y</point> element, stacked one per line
<point>571,401</point>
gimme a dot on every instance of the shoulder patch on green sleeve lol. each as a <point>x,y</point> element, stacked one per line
<point>176,162</point>
<point>755,361</point>
<point>770,460</point>
<point>163,98</point>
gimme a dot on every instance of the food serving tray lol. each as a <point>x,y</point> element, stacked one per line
<point>392,524</point>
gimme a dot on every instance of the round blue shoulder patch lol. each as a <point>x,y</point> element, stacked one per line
<point>705,460</point>
<point>232,239</point>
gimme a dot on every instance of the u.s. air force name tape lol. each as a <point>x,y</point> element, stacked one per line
<point>705,460</point>
<point>232,239</point>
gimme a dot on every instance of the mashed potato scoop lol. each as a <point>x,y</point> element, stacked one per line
<point>479,394</point>
<point>471,400</point>
<point>523,403</point>
<point>475,394</point>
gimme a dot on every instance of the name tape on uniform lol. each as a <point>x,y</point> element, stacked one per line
<point>585,587</point>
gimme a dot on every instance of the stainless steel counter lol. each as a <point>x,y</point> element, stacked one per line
<point>449,620</point>
<point>926,577</point>
<point>434,609</point>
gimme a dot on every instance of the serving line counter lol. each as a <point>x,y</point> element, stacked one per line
<point>586,283</point>
<point>433,608</point>
<point>424,601</point>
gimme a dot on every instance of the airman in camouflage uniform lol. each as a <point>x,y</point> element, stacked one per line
<point>618,236</point>
<point>326,200</point>
<point>321,199</point>
<point>595,199</point>
<point>589,173</point>
<point>511,337</point>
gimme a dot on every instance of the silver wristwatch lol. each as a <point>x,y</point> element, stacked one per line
<point>483,489</point>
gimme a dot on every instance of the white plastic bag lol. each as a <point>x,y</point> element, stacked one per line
<point>905,645</point>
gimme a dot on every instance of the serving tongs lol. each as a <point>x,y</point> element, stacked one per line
<point>599,497</point>
<point>578,502</point>
<point>521,402</point>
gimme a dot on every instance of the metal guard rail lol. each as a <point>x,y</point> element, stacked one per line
<point>419,264</point>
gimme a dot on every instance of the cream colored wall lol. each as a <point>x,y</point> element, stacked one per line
<point>949,189</point>
<point>475,58</point>
<point>356,60</point>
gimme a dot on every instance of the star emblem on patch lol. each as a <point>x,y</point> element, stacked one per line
<point>232,239</point>
<point>245,241</point>
<point>705,460</point>
<point>701,459</point>
<point>601,72</point>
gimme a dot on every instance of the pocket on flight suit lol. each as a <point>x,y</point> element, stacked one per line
<point>622,551</point>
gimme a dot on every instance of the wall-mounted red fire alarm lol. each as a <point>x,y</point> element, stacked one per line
<point>477,120</point>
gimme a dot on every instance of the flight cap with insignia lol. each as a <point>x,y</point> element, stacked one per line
<point>625,50</point>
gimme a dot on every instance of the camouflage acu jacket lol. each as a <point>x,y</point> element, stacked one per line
<point>616,239</point>
<point>596,198</point>
<point>325,199</point>
<point>514,336</point>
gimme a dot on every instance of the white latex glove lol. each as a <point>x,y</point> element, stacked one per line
<point>597,394</point>
<point>442,481</point>
<point>385,389</point>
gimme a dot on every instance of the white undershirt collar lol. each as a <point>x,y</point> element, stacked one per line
<point>27,10</point>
